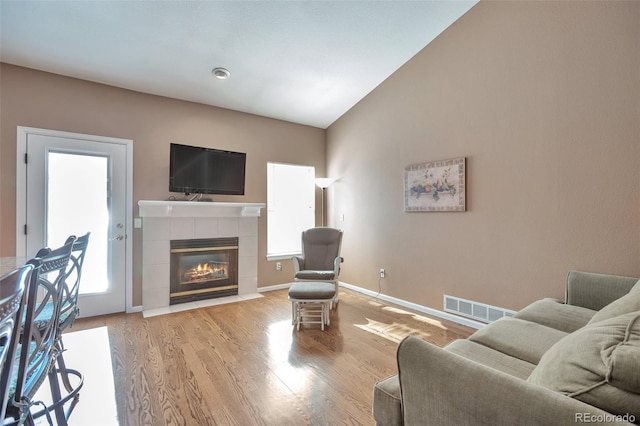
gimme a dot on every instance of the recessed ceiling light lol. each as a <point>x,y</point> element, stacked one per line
<point>221,73</point>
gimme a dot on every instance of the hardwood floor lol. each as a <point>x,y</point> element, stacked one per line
<point>244,363</point>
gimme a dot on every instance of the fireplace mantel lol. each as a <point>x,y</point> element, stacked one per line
<point>164,221</point>
<point>149,208</point>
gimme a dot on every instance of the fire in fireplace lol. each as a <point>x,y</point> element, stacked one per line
<point>206,271</point>
<point>203,269</point>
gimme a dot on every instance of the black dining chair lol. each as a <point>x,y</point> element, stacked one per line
<point>12,297</point>
<point>37,348</point>
<point>69,309</point>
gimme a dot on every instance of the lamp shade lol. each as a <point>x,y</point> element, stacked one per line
<point>324,182</point>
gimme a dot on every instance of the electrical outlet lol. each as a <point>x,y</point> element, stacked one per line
<point>382,273</point>
<point>278,266</point>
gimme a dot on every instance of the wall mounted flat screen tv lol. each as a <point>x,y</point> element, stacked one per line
<point>198,170</point>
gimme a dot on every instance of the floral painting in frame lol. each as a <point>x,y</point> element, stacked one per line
<point>438,186</point>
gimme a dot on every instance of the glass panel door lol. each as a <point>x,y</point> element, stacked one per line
<point>74,186</point>
<point>78,202</point>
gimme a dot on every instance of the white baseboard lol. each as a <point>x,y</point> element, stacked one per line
<point>274,287</point>
<point>424,309</point>
<point>134,309</point>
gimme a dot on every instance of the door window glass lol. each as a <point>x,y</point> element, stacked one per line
<point>77,203</point>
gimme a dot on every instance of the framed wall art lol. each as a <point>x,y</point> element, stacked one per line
<point>438,186</point>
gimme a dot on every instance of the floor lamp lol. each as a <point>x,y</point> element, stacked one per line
<point>324,183</point>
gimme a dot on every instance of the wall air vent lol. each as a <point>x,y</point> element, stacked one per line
<point>474,310</point>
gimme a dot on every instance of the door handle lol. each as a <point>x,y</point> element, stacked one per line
<point>119,238</point>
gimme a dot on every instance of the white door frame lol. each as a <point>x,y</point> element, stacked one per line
<point>21,191</point>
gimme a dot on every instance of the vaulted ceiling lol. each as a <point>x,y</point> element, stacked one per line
<point>307,62</point>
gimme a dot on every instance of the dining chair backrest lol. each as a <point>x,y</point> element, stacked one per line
<point>37,346</point>
<point>12,297</point>
<point>69,305</point>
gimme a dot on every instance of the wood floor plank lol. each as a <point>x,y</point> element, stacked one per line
<point>245,364</point>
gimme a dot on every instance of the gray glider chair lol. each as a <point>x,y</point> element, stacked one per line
<point>320,260</point>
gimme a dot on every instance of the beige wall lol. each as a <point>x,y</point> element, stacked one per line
<point>543,99</point>
<point>36,99</point>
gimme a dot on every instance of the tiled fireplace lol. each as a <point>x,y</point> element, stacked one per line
<point>165,222</point>
<point>203,268</point>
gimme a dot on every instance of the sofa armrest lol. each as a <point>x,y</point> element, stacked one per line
<point>439,387</point>
<point>595,291</point>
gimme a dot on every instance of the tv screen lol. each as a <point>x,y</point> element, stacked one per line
<point>198,170</point>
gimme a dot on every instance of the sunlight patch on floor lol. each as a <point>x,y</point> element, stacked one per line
<point>89,352</point>
<point>374,303</point>
<point>295,378</point>
<point>394,332</point>
<point>417,317</point>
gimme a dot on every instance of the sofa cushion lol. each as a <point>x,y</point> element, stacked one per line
<point>597,364</point>
<point>555,314</point>
<point>491,358</point>
<point>387,406</point>
<point>627,303</point>
<point>518,338</point>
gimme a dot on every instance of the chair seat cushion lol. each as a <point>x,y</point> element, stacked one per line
<point>67,315</point>
<point>45,315</point>
<point>44,358</point>
<point>315,275</point>
<point>312,291</point>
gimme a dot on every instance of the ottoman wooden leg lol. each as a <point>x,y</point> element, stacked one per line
<point>327,312</point>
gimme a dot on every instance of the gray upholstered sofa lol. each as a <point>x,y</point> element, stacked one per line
<point>553,363</point>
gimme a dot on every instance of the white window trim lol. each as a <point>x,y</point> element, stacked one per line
<point>283,256</point>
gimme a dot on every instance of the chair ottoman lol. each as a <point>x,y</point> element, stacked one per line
<point>311,302</point>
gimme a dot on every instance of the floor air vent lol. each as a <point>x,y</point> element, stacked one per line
<point>475,310</point>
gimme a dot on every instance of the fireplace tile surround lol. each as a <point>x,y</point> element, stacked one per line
<point>163,221</point>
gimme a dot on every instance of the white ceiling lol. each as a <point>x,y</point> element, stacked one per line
<point>306,62</point>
